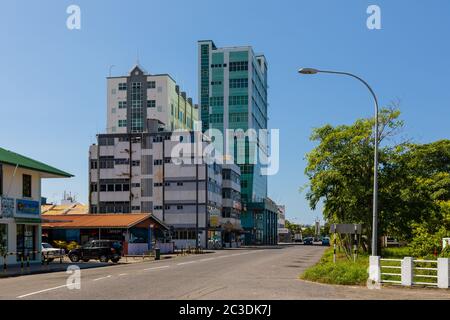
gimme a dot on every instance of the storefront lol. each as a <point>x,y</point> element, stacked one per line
<point>138,233</point>
<point>20,205</point>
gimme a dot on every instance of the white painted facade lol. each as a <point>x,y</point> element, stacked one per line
<point>158,185</point>
<point>168,101</point>
<point>12,186</point>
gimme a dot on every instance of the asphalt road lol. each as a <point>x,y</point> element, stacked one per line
<point>267,273</point>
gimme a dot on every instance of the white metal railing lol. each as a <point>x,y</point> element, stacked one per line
<point>390,274</point>
<point>409,271</point>
<point>421,276</point>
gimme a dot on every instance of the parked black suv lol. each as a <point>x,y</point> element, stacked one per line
<point>103,250</point>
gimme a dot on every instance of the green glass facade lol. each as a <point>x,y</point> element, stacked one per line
<point>233,95</point>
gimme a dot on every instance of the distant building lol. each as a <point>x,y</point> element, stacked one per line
<point>20,209</point>
<point>231,205</point>
<point>233,96</point>
<point>134,99</point>
<point>284,235</point>
<point>135,173</point>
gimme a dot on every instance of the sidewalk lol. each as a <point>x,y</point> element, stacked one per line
<point>56,266</point>
<point>35,268</point>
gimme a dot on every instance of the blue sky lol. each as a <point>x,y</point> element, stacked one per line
<point>52,80</point>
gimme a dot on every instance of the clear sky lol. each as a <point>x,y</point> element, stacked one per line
<point>52,80</point>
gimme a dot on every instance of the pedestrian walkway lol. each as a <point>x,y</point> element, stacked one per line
<point>35,268</point>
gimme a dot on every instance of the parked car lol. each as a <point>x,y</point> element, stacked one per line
<point>103,250</point>
<point>325,241</point>
<point>49,253</point>
<point>308,241</point>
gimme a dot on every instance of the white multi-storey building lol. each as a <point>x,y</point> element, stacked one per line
<point>134,99</point>
<point>133,168</point>
<point>134,173</point>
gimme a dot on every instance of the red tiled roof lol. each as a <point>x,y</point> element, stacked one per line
<point>87,221</point>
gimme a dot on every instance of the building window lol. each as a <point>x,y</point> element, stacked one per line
<point>151,84</point>
<point>239,83</point>
<point>136,208</point>
<point>216,83</point>
<point>179,207</point>
<point>216,101</point>
<point>107,162</point>
<point>105,141</point>
<point>136,163</point>
<point>26,186</point>
<point>158,162</point>
<point>157,207</point>
<point>238,117</point>
<point>122,86</point>
<point>122,123</point>
<point>167,207</point>
<point>151,103</point>
<point>180,184</point>
<point>239,66</point>
<point>216,118</point>
<point>122,104</point>
<point>26,236</point>
<point>93,187</point>
<point>238,101</point>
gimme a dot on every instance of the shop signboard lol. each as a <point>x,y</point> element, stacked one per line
<point>7,207</point>
<point>27,207</point>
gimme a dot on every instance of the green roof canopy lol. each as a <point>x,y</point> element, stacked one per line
<point>15,159</point>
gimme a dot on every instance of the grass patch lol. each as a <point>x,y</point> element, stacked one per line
<point>344,271</point>
<point>347,272</point>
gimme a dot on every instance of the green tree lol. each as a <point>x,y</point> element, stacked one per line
<point>414,179</point>
<point>340,168</point>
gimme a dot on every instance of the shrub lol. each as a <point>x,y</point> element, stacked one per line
<point>425,244</point>
<point>344,271</point>
<point>72,245</point>
<point>60,244</point>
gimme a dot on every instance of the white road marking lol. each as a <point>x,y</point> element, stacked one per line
<point>156,268</point>
<point>183,263</point>
<point>102,278</point>
<point>207,259</point>
<point>41,291</point>
<point>123,274</point>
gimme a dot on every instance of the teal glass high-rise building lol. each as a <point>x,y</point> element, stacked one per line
<point>233,95</point>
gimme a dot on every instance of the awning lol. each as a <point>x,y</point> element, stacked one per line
<point>98,221</point>
<point>28,220</point>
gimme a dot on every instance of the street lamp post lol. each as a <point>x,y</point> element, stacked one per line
<point>375,165</point>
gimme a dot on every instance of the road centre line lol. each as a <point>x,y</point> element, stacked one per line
<point>156,268</point>
<point>109,276</point>
<point>42,291</point>
<point>183,263</point>
<point>207,259</point>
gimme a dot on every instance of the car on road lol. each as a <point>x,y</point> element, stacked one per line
<point>49,253</point>
<point>308,241</point>
<point>325,241</point>
<point>103,250</point>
